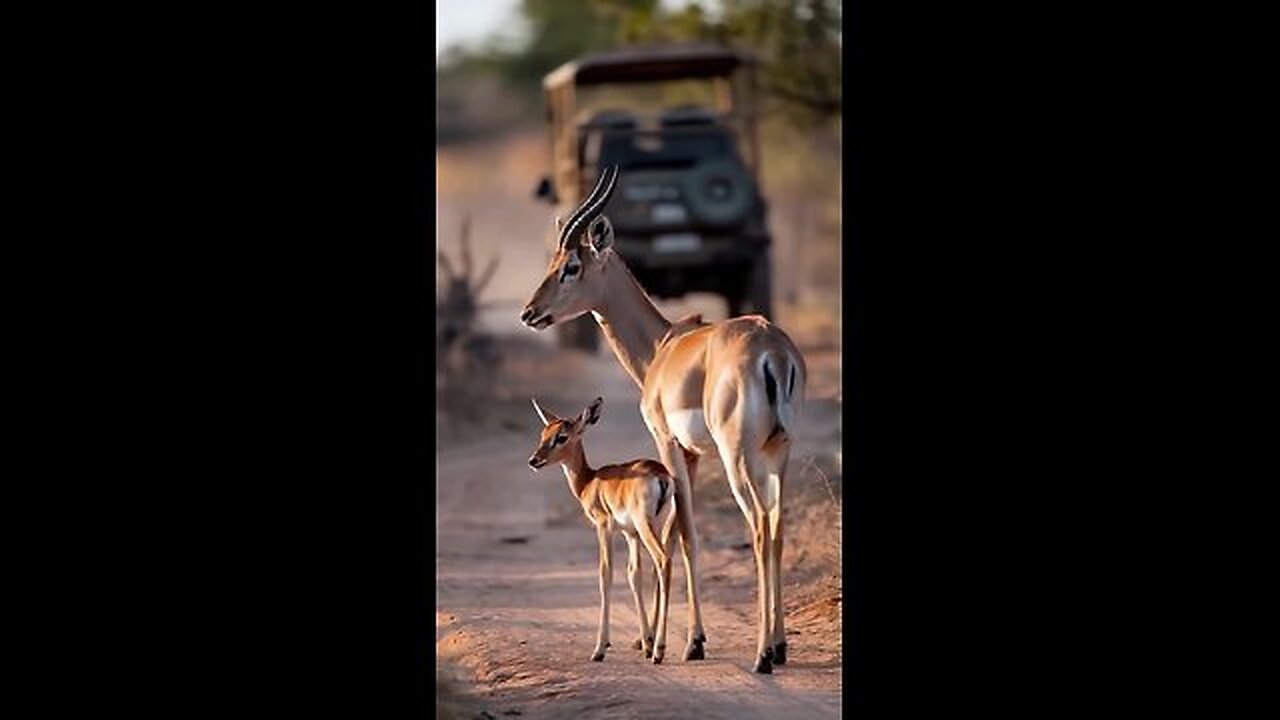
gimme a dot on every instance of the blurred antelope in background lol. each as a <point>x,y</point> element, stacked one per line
<point>730,388</point>
<point>456,311</point>
<point>635,498</point>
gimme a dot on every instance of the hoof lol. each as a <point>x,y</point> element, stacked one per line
<point>694,652</point>
<point>608,645</point>
<point>658,653</point>
<point>701,638</point>
<point>637,644</point>
<point>598,657</point>
<point>780,654</point>
<point>764,665</point>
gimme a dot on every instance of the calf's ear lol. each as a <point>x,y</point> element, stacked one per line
<point>592,414</point>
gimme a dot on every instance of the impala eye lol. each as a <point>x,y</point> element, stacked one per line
<point>560,439</point>
<point>569,271</point>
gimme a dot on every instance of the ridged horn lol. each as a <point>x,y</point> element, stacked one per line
<point>592,206</point>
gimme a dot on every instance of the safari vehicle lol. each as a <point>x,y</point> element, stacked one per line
<point>680,123</point>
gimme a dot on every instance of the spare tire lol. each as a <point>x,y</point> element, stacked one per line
<point>718,193</point>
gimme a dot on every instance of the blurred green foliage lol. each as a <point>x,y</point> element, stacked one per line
<point>797,42</point>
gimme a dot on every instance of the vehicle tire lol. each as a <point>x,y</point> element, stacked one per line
<point>580,334</point>
<point>718,193</point>
<point>757,297</point>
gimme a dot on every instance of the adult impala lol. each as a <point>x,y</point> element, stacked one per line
<point>729,387</point>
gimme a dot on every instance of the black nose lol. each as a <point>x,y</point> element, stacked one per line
<point>533,463</point>
<point>526,315</point>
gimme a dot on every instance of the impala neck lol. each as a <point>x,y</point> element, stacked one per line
<point>630,322</point>
<point>577,471</point>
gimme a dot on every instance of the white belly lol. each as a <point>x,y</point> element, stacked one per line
<point>691,430</point>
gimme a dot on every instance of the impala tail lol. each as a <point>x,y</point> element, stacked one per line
<point>784,386</point>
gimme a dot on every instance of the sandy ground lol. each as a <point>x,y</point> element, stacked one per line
<point>516,565</point>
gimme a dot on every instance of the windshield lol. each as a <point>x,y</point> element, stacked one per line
<point>669,148</point>
<point>650,98</point>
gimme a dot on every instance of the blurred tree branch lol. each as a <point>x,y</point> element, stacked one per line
<point>799,43</point>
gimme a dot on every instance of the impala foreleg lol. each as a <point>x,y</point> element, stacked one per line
<point>673,457</point>
<point>606,580</point>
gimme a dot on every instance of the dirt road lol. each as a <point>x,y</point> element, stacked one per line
<point>516,577</point>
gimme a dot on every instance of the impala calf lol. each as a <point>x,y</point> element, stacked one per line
<point>634,498</point>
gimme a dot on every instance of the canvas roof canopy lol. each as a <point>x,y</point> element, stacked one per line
<point>653,63</point>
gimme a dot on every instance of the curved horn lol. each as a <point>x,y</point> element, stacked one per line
<point>592,206</point>
<point>540,412</point>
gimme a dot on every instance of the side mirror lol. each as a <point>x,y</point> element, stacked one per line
<point>546,191</point>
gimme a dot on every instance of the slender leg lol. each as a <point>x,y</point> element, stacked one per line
<point>764,648</point>
<point>664,590</point>
<point>694,650</point>
<point>635,578</point>
<point>662,561</point>
<point>752,507</point>
<point>777,480</point>
<point>606,579</point>
<point>775,459</point>
<point>779,610</point>
<point>666,524</point>
<point>700,636</point>
<point>656,600</point>
<point>673,457</point>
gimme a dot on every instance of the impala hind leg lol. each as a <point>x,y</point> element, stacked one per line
<point>634,578</point>
<point>762,542</point>
<point>606,580</point>
<point>776,458</point>
<point>673,457</point>
<point>753,510</point>
<point>778,633</point>
<point>662,561</point>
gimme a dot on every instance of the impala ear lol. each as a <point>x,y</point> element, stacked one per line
<point>600,233</point>
<point>592,414</point>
